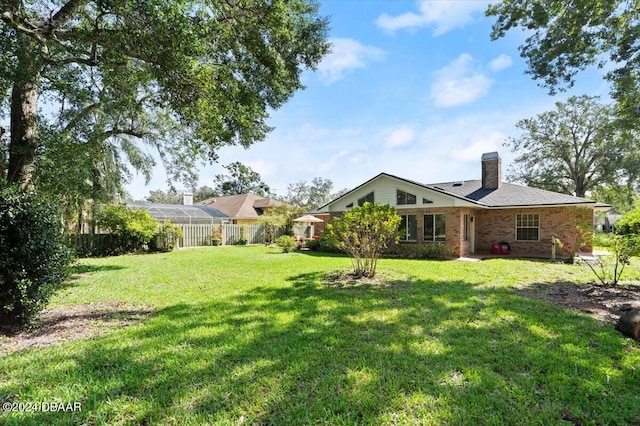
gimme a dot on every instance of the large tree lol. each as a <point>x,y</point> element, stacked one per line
<point>575,149</point>
<point>565,37</point>
<point>185,77</point>
<point>240,179</point>
<point>311,195</point>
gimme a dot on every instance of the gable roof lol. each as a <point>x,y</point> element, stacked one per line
<point>244,206</point>
<point>507,195</point>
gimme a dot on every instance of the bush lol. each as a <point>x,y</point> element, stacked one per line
<point>134,228</point>
<point>216,236</point>
<point>287,243</point>
<point>326,243</point>
<point>166,238</point>
<point>629,223</point>
<point>34,258</point>
<point>423,251</point>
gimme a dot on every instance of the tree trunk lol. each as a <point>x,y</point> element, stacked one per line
<point>629,324</point>
<point>23,144</point>
<point>24,134</point>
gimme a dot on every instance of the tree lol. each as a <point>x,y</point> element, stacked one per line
<point>203,193</point>
<point>185,78</point>
<point>363,233</point>
<point>240,179</point>
<point>565,37</point>
<point>311,195</point>
<point>574,149</point>
<point>169,196</point>
<point>279,217</point>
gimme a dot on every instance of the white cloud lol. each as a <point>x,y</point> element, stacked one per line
<point>346,56</point>
<point>500,63</point>
<point>401,136</point>
<point>479,145</point>
<point>459,83</point>
<point>443,16</point>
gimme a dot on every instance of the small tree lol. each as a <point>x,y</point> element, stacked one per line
<point>134,228</point>
<point>609,271</point>
<point>33,257</point>
<point>363,233</point>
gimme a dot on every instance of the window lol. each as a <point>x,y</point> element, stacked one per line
<point>408,228</point>
<point>349,205</point>
<point>366,199</point>
<point>465,227</point>
<point>426,201</point>
<point>404,198</point>
<point>434,227</point>
<point>527,227</point>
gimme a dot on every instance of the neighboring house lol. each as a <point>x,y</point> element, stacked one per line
<point>242,208</point>
<point>472,216</point>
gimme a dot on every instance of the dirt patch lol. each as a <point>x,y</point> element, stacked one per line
<point>72,322</point>
<point>347,280</point>
<point>604,304</point>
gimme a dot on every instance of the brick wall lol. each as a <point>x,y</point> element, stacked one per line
<point>494,226</point>
<point>497,225</point>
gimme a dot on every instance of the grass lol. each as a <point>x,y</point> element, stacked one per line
<point>250,335</point>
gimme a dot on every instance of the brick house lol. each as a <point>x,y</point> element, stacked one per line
<point>473,216</point>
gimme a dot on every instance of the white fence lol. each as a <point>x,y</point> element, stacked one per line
<point>200,235</point>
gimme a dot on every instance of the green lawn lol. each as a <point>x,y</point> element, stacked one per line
<point>249,335</point>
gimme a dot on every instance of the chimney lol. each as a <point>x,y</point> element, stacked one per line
<point>187,199</point>
<point>491,170</point>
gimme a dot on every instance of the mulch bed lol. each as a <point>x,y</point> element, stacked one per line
<point>602,303</point>
<point>72,322</point>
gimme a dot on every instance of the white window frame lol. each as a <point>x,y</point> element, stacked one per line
<point>527,221</point>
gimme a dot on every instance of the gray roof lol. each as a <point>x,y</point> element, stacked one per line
<point>507,195</point>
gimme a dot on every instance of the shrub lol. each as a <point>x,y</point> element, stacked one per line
<point>609,269</point>
<point>166,238</point>
<point>287,243</point>
<point>216,236</point>
<point>423,251</point>
<point>325,243</point>
<point>363,233</point>
<point>134,228</point>
<point>629,223</point>
<point>34,258</point>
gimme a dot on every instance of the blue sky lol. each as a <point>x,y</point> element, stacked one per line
<point>412,88</point>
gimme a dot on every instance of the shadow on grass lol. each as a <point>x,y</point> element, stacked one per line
<point>418,352</point>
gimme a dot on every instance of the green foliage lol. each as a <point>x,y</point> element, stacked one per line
<point>166,237</point>
<point>363,233</point>
<point>185,78</point>
<point>326,243</point>
<point>629,223</point>
<point>134,228</point>
<point>33,256</point>
<point>216,235</point>
<point>242,240</point>
<point>575,149</point>
<point>423,251</point>
<point>609,269</point>
<point>240,179</point>
<point>311,195</point>
<point>287,243</point>
<point>564,38</point>
<point>601,239</point>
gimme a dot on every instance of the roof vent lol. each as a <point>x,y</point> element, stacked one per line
<point>457,183</point>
